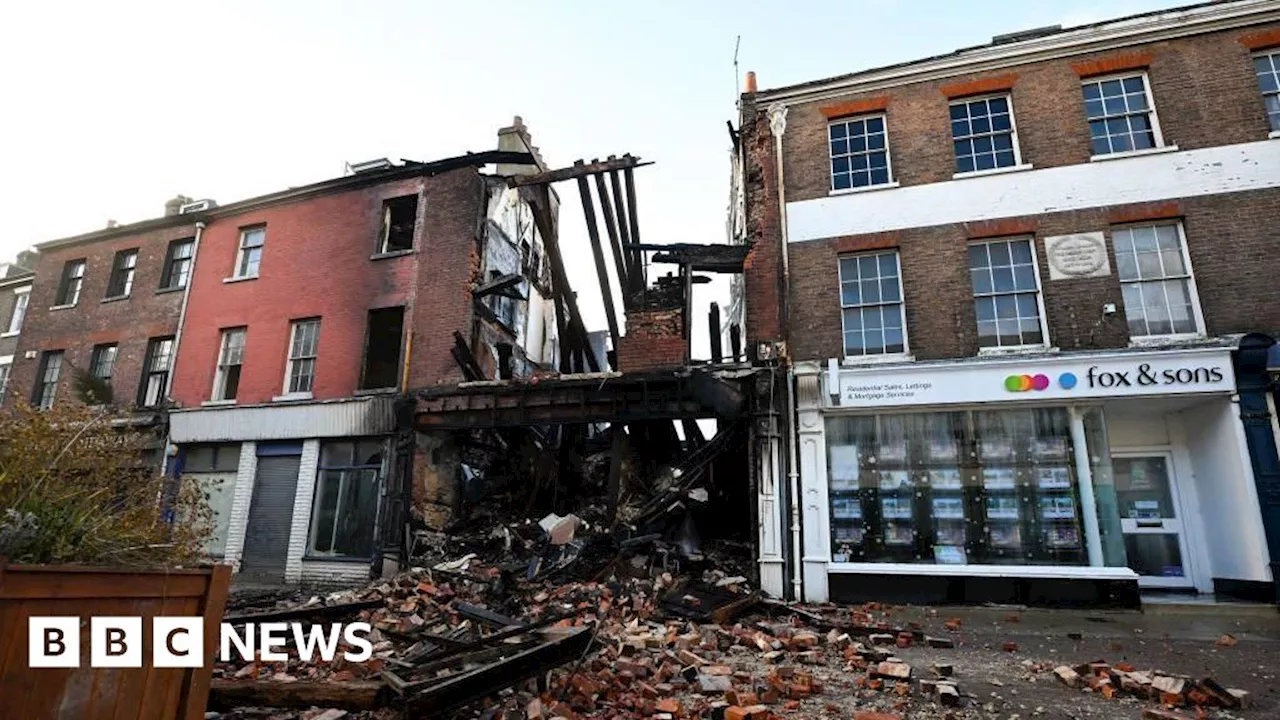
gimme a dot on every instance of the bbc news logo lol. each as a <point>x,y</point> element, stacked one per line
<point>178,642</point>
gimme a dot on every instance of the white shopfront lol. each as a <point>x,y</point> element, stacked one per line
<point>1127,467</point>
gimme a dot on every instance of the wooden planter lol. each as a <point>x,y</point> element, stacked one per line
<point>116,693</point>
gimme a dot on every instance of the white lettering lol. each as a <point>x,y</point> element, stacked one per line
<point>349,634</point>
<point>308,642</point>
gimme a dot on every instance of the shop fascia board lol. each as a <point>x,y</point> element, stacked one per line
<point>1056,572</point>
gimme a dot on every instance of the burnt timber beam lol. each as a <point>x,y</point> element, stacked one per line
<point>602,271</point>
<point>642,280</point>
<point>624,237</point>
<point>501,286</point>
<point>611,227</point>
<point>626,162</point>
<point>576,335</point>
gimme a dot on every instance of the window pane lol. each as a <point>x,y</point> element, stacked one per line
<point>326,510</point>
<point>336,454</point>
<point>888,265</point>
<point>999,252</point>
<point>849,294</point>
<point>1006,307</point>
<point>1002,277</point>
<point>985,308</point>
<point>889,290</point>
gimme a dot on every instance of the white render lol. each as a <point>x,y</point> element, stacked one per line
<point>814,503</point>
<point>1142,177</point>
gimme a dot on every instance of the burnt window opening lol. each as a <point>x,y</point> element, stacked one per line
<point>503,307</point>
<point>382,348</point>
<point>399,220</point>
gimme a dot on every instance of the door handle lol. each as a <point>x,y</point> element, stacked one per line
<point>1150,523</point>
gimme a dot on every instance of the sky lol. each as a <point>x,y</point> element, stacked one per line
<point>109,109</point>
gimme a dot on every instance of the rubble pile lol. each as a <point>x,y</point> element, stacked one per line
<point>1169,690</point>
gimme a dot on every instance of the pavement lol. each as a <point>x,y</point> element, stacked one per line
<point>1174,638</point>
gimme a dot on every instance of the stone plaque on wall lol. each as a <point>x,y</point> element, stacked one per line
<point>1077,256</point>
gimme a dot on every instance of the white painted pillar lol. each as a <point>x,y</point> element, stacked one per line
<point>300,527</point>
<point>1088,502</point>
<point>769,508</point>
<point>814,505</point>
<point>241,499</point>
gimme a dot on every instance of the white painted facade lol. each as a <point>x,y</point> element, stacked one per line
<point>1162,174</point>
<point>1197,425</point>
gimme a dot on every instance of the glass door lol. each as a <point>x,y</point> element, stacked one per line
<point>1150,519</point>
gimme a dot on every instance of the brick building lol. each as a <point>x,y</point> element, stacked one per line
<point>15,294</point>
<point>274,342</point>
<point>1025,291</point>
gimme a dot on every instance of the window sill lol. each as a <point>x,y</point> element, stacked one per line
<point>239,279</point>
<point>992,171</point>
<point>114,298</point>
<point>1017,350</point>
<point>1135,153</point>
<point>10,334</point>
<point>1275,134</point>
<point>163,291</point>
<point>61,307</point>
<point>337,559</point>
<point>287,397</point>
<point>868,188</point>
<point>391,254</point>
<point>856,360</point>
<point>376,391</point>
<point>217,403</point>
<point>1147,341</point>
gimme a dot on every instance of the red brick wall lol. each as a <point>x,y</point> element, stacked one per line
<point>317,263</point>
<point>653,341</point>
<point>1231,240</point>
<point>762,272</point>
<point>1205,90</point>
<point>128,322</point>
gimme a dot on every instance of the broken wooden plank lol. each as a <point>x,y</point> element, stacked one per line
<point>578,170</point>
<point>226,694</point>
<point>611,227</point>
<point>308,612</point>
<point>485,615</point>
<point>602,273</point>
<point>501,286</point>
<point>725,614</point>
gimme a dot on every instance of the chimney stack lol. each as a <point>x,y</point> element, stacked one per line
<point>171,207</point>
<point>751,82</point>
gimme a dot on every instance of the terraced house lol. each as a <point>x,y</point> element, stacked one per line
<point>1027,294</point>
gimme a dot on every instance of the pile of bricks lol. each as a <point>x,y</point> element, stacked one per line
<point>1171,691</point>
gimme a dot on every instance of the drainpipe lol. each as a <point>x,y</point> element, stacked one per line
<point>182,314</point>
<point>778,126</point>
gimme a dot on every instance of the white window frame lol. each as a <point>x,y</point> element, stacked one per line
<point>42,379</point>
<point>1153,112</point>
<point>6,368</point>
<point>21,302</point>
<point>243,253</point>
<point>220,374</point>
<point>1274,55</point>
<point>888,155</point>
<point>1013,134</point>
<point>1044,320</point>
<point>1196,312</point>
<point>291,361</point>
<point>902,311</point>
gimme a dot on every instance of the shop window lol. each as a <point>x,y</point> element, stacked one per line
<point>1006,292</point>
<point>966,487</point>
<point>1155,279</point>
<point>871,305</point>
<point>345,509</point>
<point>213,468</point>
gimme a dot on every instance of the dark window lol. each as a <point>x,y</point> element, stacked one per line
<point>155,371</point>
<point>226,383</point>
<point>212,458</point>
<point>345,512</point>
<point>47,379</point>
<point>1006,293</point>
<point>122,268</point>
<point>69,286</point>
<point>859,153</point>
<point>1121,118</point>
<point>1267,68</point>
<point>399,219</point>
<point>303,348</point>
<point>177,264</point>
<point>382,348</point>
<point>251,242</point>
<point>502,305</point>
<point>103,361</point>
<point>982,134</point>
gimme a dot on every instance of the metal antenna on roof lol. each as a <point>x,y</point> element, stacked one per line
<point>737,84</point>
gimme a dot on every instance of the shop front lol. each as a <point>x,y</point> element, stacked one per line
<point>1060,479</point>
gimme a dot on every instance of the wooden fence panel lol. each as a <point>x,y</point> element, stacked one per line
<point>91,693</point>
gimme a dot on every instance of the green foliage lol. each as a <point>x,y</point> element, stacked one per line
<point>77,488</point>
<point>91,389</point>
